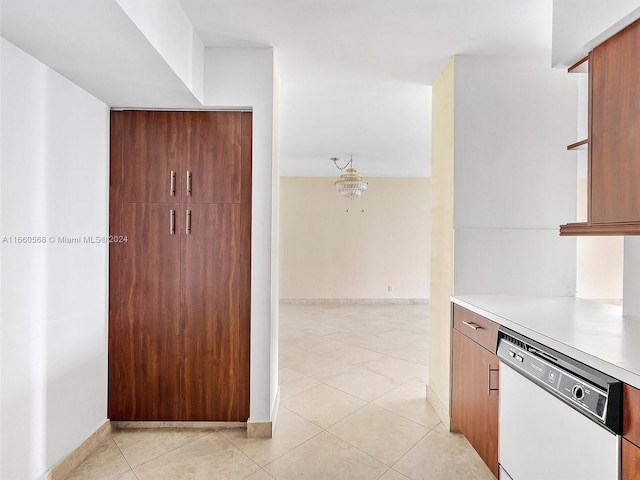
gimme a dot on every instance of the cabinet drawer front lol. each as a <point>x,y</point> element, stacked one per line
<point>631,413</point>
<point>478,328</point>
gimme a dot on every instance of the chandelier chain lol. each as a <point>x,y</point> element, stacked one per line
<point>348,164</point>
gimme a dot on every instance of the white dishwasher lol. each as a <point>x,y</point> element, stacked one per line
<point>558,418</point>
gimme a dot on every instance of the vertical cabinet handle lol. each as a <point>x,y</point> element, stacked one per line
<point>187,229</point>
<point>172,184</point>
<point>489,370</point>
<point>172,222</point>
<point>188,183</point>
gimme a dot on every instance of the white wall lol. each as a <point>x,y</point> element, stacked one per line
<point>631,305</point>
<point>166,26</point>
<point>244,77</point>
<point>599,260</point>
<point>334,248</point>
<point>514,184</point>
<point>53,349</point>
<point>512,187</point>
<point>579,25</point>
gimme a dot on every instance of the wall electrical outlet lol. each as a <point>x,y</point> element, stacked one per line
<point>390,288</point>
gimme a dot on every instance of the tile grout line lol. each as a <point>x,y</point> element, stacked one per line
<point>164,453</point>
<point>123,456</point>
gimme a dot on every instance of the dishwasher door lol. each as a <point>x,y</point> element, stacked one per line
<point>540,437</point>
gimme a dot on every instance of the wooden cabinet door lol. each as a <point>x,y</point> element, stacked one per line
<point>615,137</point>
<point>152,147</point>
<point>180,156</point>
<point>144,336</point>
<point>211,313</point>
<point>631,433</point>
<point>213,157</point>
<point>474,403</point>
<point>630,463</point>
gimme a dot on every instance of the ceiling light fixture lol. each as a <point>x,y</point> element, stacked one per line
<point>351,184</point>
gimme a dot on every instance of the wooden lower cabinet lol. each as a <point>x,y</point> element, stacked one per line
<point>211,312</point>
<point>474,396</point>
<point>144,328</point>
<point>630,461</point>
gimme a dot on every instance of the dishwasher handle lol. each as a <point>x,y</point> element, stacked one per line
<point>542,354</point>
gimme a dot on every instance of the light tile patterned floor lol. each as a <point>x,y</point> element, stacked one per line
<point>353,406</point>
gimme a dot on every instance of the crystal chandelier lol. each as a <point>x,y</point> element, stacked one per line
<point>351,184</point>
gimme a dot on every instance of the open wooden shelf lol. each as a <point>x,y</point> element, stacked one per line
<point>581,66</point>
<point>610,229</point>
<point>581,145</point>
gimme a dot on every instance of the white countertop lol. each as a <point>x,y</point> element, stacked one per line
<point>591,332</point>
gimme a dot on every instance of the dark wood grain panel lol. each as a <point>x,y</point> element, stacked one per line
<point>245,267</point>
<point>152,147</point>
<point>210,312</point>
<point>615,128</point>
<point>115,195</point>
<point>474,408</point>
<point>115,379</point>
<point>214,149</point>
<point>146,351</point>
<point>630,461</point>
<point>180,305</point>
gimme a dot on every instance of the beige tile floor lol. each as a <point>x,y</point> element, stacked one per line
<point>352,406</point>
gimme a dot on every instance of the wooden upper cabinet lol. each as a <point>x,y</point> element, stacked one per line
<point>614,138</point>
<point>212,159</point>
<point>180,156</point>
<point>151,152</point>
<point>615,129</point>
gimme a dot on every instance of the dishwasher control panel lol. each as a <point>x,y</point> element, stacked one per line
<point>593,393</point>
<point>574,390</point>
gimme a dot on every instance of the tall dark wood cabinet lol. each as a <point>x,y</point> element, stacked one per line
<point>179,287</point>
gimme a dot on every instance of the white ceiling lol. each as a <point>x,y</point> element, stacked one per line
<point>355,74</point>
